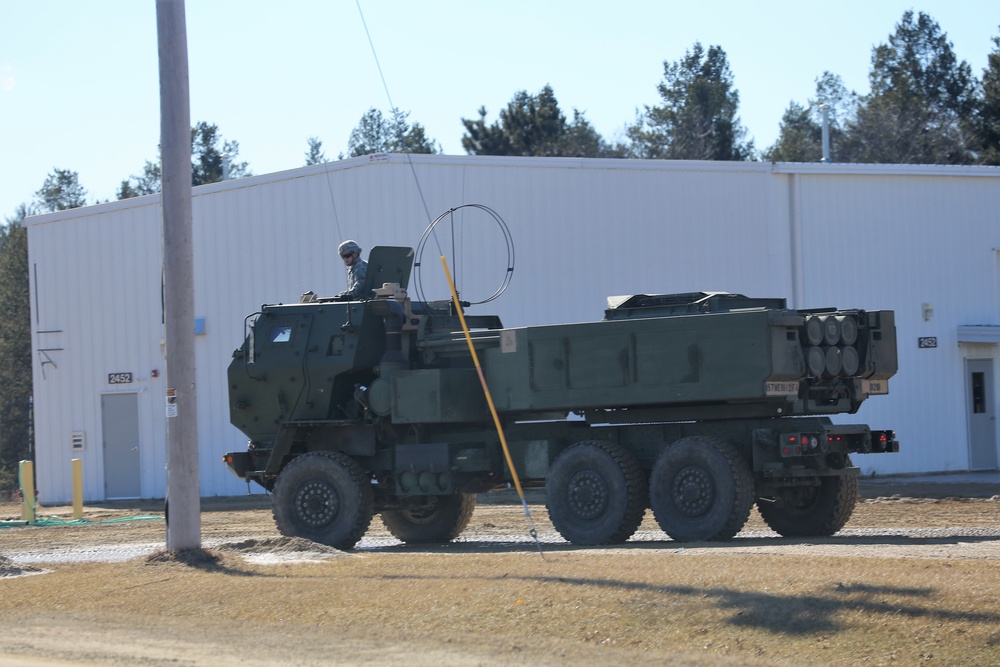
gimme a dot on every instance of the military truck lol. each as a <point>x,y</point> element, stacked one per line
<point>695,405</point>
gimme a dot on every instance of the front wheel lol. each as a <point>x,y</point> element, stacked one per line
<point>436,520</point>
<point>701,489</point>
<point>811,511</point>
<point>595,493</point>
<point>325,497</point>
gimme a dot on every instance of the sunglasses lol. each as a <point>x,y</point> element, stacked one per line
<point>346,255</point>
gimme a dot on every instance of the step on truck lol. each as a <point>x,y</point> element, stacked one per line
<point>697,406</point>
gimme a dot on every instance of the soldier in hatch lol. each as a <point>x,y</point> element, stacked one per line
<point>350,252</point>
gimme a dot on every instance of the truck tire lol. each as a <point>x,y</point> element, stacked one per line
<point>811,511</point>
<point>441,519</point>
<point>325,497</point>
<point>595,493</point>
<point>701,488</point>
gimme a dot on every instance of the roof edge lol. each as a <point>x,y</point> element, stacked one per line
<point>378,159</point>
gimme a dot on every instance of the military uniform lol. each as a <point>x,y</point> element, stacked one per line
<point>356,272</point>
<point>356,277</point>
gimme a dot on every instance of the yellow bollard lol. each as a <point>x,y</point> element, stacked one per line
<point>26,478</point>
<point>77,489</point>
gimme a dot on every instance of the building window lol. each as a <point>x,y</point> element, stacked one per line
<point>978,393</point>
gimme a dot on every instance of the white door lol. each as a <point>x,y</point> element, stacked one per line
<point>120,422</point>
<point>981,401</point>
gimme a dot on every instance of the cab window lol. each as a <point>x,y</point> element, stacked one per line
<point>281,333</point>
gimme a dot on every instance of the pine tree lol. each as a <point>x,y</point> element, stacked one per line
<point>534,125</point>
<point>988,121</point>
<point>15,350</point>
<point>921,104</point>
<point>698,118</point>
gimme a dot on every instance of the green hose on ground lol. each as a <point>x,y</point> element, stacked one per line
<point>56,521</point>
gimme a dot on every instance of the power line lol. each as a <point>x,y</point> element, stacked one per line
<point>392,108</point>
<point>375,55</point>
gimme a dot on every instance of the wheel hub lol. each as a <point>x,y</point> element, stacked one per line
<point>693,491</point>
<point>588,494</point>
<point>423,513</point>
<point>316,503</point>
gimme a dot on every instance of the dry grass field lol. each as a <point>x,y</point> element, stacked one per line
<point>909,581</point>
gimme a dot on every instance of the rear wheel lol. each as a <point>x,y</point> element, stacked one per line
<point>434,520</point>
<point>701,489</point>
<point>595,493</point>
<point>809,511</point>
<point>325,497</point>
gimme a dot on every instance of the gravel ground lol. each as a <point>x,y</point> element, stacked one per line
<point>927,522</point>
<point>927,517</point>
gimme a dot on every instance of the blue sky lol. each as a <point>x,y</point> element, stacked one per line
<point>79,79</point>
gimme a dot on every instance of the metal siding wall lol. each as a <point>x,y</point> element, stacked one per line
<point>93,284</point>
<point>896,242</point>
<point>53,475</point>
<point>583,234</point>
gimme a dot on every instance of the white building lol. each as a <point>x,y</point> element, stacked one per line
<point>921,240</point>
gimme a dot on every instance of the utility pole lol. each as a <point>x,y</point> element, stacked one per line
<point>183,494</point>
